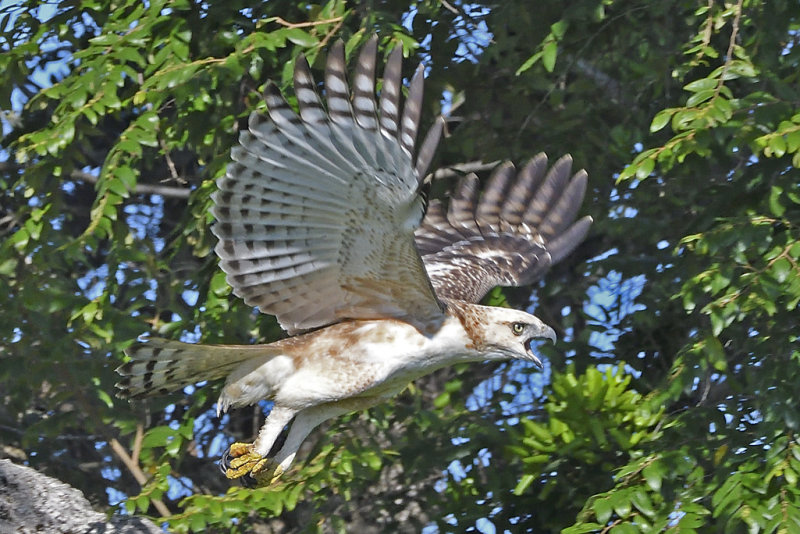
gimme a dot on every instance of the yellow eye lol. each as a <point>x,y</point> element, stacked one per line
<point>518,328</point>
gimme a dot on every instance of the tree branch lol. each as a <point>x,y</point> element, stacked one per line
<point>137,473</point>
<point>140,189</point>
<point>450,171</point>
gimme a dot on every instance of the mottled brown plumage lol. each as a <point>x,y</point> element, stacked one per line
<point>320,223</point>
<point>509,235</point>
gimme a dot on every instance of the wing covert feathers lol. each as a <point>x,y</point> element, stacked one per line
<point>510,235</point>
<point>316,213</point>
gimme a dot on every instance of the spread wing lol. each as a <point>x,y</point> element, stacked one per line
<point>316,214</point>
<point>509,236</point>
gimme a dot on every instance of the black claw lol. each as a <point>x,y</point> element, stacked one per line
<point>224,463</point>
<point>248,481</point>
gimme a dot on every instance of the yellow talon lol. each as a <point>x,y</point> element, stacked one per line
<point>250,458</point>
<point>243,460</point>
<point>239,448</point>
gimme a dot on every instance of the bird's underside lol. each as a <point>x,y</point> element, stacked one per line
<point>313,377</point>
<point>320,223</point>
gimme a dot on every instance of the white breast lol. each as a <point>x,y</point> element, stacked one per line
<point>367,359</point>
<point>383,359</point>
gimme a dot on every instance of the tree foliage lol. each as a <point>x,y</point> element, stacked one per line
<point>670,401</point>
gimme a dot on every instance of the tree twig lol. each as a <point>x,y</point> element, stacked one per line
<point>731,44</point>
<point>140,189</point>
<point>137,473</point>
<point>137,444</point>
<point>173,171</point>
<point>450,8</point>
<point>331,33</point>
<point>464,168</point>
<point>288,24</point>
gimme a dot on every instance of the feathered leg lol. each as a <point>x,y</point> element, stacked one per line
<point>266,470</point>
<point>304,423</point>
<point>251,458</point>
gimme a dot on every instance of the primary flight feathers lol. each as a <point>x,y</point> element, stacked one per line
<point>317,214</point>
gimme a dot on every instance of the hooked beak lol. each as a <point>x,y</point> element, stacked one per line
<point>544,332</point>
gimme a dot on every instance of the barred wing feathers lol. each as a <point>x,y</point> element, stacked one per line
<point>522,224</point>
<point>316,214</point>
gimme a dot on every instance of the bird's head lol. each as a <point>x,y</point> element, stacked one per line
<point>504,333</point>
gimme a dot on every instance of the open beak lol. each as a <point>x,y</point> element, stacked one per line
<point>545,332</point>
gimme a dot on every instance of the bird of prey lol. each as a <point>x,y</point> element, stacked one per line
<point>321,220</point>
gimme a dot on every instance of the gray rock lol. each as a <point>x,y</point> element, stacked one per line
<point>31,502</point>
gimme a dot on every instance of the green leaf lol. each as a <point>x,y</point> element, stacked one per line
<point>602,509</point>
<point>661,119</point>
<point>702,84</point>
<point>442,400</point>
<point>219,286</point>
<point>300,37</point>
<point>559,29</point>
<point>117,187</point>
<point>717,322</point>
<point>624,528</point>
<point>523,484</point>
<point>781,269</point>
<point>538,430</point>
<point>724,106</point>
<point>791,477</point>
<point>699,97</point>
<point>105,398</point>
<point>793,140</point>
<point>620,502</point>
<point>173,446</point>
<point>716,354</point>
<point>739,68</point>
<point>653,475</point>
<point>775,205</point>
<point>549,53</point>
<point>158,437</point>
<point>729,493</point>
<point>126,176</point>
<point>8,266</point>
<point>645,168</point>
<point>776,146</point>
<point>529,63</point>
<point>642,502</point>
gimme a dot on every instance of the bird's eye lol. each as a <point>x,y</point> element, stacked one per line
<point>518,328</point>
